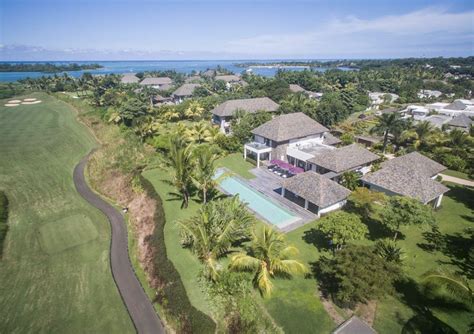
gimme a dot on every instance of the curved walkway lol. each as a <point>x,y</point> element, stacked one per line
<point>139,307</point>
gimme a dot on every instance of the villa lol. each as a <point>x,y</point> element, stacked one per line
<point>410,175</point>
<point>193,79</point>
<point>461,122</point>
<point>377,98</point>
<point>427,93</point>
<point>224,112</point>
<point>185,91</point>
<point>316,193</point>
<point>161,83</point>
<point>457,107</point>
<point>298,89</point>
<point>129,78</point>
<point>230,80</point>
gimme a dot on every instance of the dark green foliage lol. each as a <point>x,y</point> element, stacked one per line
<point>331,109</point>
<point>46,68</point>
<point>230,144</point>
<point>350,180</point>
<point>171,292</point>
<point>3,219</point>
<point>355,274</point>
<point>243,123</point>
<point>132,109</point>
<point>389,251</point>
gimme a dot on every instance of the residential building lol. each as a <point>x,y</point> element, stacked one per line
<point>377,98</point>
<point>315,192</point>
<point>298,89</point>
<point>231,80</point>
<point>461,122</point>
<point>129,78</point>
<point>161,83</point>
<point>193,79</point>
<point>411,175</point>
<point>428,93</point>
<point>185,91</point>
<point>354,325</point>
<point>223,113</point>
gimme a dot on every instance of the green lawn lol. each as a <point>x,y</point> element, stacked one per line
<point>184,261</point>
<point>54,275</point>
<point>455,173</point>
<point>236,163</point>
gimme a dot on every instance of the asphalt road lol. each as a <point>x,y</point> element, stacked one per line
<point>136,301</point>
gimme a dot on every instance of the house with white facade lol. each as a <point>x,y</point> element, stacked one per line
<point>298,89</point>
<point>184,92</point>
<point>411,175</point>
<point>378,98</point>
<point>224,112</point>
<point>231,80</point>
<point>428,93</point>
<point>160,83</point>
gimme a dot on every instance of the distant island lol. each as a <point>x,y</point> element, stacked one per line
<point>46,67</point>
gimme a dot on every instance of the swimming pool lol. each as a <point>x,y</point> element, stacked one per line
<point>257,202</point>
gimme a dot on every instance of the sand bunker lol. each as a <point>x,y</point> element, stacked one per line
<point>32,102</point>
<point>29,100</point>
<point>14,101</point>
<point>11,104</point>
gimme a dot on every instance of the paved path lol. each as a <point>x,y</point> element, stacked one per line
<point>138,305</point>
<point>457,180</point>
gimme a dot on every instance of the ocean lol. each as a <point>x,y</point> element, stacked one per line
<point>184,66</point>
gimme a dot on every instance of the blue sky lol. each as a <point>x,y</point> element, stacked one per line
<point>219,29</point>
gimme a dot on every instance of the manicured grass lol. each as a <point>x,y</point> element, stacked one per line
<point>455,173</point>
<point>185,262</point>
<point>237,164</point>
<point>55,274</point>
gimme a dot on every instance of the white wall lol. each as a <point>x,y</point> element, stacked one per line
<point>333,207</point>
<point>307,140</point>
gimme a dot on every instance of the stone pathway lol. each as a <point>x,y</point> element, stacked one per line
<point>457,180</point>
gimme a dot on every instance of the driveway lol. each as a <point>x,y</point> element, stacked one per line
<point>136,301</point>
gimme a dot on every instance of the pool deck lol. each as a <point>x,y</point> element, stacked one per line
<point>270,185</point>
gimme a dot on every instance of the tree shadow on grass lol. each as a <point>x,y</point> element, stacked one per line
<point>459,247</point>
<point>317,239</point>
<point>377,230</point>
<point>462,194</point>
<point>426,323</point>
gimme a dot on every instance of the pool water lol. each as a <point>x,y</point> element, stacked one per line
<point>257,202</point>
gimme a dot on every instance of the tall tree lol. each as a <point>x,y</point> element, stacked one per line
<point>388,123</point>
<point>203,177</point>
<point>268,256</point>
<point>211,233</point>
<point>456,285</point>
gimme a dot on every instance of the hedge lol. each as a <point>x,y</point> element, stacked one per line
<point>3,219</point>
<point>171,292</point>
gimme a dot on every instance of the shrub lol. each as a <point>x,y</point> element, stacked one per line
<point>3,219</point>
<point>389,251</point>
<point>230,144</point>
<point>171,292</point>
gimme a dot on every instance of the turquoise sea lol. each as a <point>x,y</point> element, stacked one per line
<point>184,66</point>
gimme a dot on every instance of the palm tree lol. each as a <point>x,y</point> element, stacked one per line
<point>180,160</point>
<point>211,233</point>
<point>269,256</point>
<point>350,180</point>
<point>388,123</point>
<point>456,285</point>
<point>194,110</point>
<point>198,133</point>
<point>458,138</point>
<point>205,170</point>
<point>146,127</point>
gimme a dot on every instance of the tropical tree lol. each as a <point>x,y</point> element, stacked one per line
<point>268,256</point>
<point>194,110</point>
<point>203,177</point>
<point>350,180</point>
<point>454,284</point>
<point>198,133</point>
<point>363,200</point>
<point>389,251</point>
<point>341,227</point>
<point>211,233</point>
<point>388,123</point>
<point>180,160</point>
<point>406,211</point>
<point>146,127</point>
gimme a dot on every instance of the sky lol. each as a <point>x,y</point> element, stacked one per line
<point>233,29</point>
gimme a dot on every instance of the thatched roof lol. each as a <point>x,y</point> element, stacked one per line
<point>157,81</point>
<point>354,325</point>
<point>297,88</point>
<point>129,78</point>
<point>344,158</point>
<point>228,108</point>
<point>456,105</point>
<point>461,121</point>
<point>409,175</point>
<point>228,78</point>
<point>289,126</point>
<point>316,188</point>
<point>186,90</point>
<point>330,139</point>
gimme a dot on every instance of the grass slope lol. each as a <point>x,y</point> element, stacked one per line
<point>54,275</point>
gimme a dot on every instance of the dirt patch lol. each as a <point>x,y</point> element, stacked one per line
<point>31,99</point>
<point>11,104</point>
<point>367,312</point>
<point>32,102</point>
<point>14,101</point>
<point>331,310</point>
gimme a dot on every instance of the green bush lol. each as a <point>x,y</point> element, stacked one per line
<point>3,219</point>
<point>171,292</point>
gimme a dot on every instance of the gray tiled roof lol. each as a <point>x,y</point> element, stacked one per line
<point>186,89</point>
<point>409,175</point>
<point>296,88</point>
<point>316,188</point>
<point>344,158</point>
<point>354,326</point>
<point>289,126</point>
<point>228,78</point>
<point>456,105</point>
<point>194,78</point>
<point>129,78</point>
<point>156,81</point>
<point>330,139</point>
<point>228,108</point>
<point>461,121</point>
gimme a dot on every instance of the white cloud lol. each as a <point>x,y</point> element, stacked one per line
<point>435,28</point>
